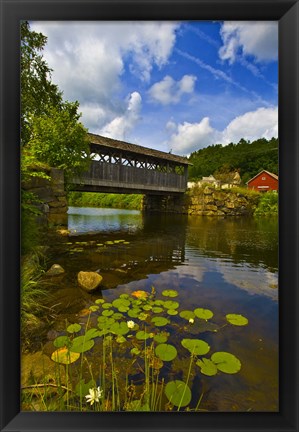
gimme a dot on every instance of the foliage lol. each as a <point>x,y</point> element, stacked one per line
<point>268,204</point>
<point>248,158</point>
<point>138,347</point>
<point>59,139</point>
<point>92,199</point>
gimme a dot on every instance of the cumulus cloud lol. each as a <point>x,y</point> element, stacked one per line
<point>189,137</point>
<point>122,125</point>
<point>170,91</point>
<point>89,58</point>
<point>257,39</point>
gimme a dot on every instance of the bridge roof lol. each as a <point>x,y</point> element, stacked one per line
<point>134,148</point>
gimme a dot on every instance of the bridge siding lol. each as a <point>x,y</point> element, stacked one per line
<point>117,176</point>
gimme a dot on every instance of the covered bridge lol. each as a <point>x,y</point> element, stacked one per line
<point>121,167</point>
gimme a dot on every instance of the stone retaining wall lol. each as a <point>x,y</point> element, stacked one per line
<point>52,194</point>
<point>205,202</point>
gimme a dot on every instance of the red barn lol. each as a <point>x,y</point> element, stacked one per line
<point>263,182</point>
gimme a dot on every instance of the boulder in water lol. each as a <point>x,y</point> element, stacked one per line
<point>89,281</point>
<point>55,270</point>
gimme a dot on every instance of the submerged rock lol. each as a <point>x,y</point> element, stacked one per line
<point>55,270</point>
<point>89,281</point>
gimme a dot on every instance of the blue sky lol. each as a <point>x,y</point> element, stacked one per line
<point>172,86</point>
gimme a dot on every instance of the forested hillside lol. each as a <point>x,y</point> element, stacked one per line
<point>248,158</point>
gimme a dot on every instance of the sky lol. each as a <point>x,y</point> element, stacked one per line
<point>171,86</point>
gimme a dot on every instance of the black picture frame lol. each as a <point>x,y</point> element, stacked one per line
<point>284,11</point>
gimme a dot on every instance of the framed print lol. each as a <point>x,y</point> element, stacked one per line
<point>149,215</point>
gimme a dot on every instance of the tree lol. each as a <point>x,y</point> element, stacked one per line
<point>51,133</point>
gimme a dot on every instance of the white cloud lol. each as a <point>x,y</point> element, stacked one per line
<point>189,137</point>
<point>262,123</point>
<point>258,39</point>
<point>122,125</point>
<point>170,91</point>
<point>89,59</point>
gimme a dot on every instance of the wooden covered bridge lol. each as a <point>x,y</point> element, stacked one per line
<point>121,167</point>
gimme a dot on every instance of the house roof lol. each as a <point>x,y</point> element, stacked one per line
<point>134,148</point>
<point>264,171</point>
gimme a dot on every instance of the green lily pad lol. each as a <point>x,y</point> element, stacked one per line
<point>91,333</point>
<point>117,315</point>
<point>93,308</point>
<point>124,296</point>
<point>203,313</point>
<point>107,312</point>
<point>99,301</point>
<point>142,335</point>
<point>157,309</point>
<point>160,321</point>
<point>170,304</point>
<point>119,328</point>
<point>106,305</point>
<point>187,314</point>
<point>109,242</point>
<point>178,393</point>
<point>80,344</point>
<point>61,341</point>
<point>73,328</point>
<point>172,312</point>
<point>147,307</point>
<point>196,346</point>
<point>142,316</point>
<point>121,304</point>
<point>159,302</point>
<point>134,313</point>
<point>105,322</point>
<point>238,320</point>
<point>166,352</point>
<point>161,337</point>
<point>135,351</point>
<point>207,367</point>
<point>226,362</point>
<point>120,339</point>
<point>170,293</point>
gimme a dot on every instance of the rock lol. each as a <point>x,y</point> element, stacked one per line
<point>89,281</point>
<point>39,368</point>
<point>55,270</point>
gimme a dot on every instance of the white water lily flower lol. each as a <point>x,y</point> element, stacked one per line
<point>191,320</point>
<point>130,324</point>
<point>94,395</point>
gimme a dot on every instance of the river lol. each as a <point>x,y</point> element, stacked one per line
<point>228,266</point>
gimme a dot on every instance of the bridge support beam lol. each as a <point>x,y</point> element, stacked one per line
<point>174,203</point>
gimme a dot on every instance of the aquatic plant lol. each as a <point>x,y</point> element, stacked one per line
<point>140,347</point>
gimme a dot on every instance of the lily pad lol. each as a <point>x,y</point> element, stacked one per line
<point>106,305</point>
<point>159,302</point>
<point>93,308</point>
<point>238,320</point>
<point>99,301</point>
<point>196,346</point>
<point>142,335</point>
<point>187,314</point>
<point>117,315</point>
<point>170,293</point>
<point>120,339</point>
<point>172,312</point>
<point>157,309</point>
<point>73,328</point>
<point>107,312</point>
<point>161,337</point>
<point>160,321</point>
<point>134,313</point>
<point>121,304</point>
<point>61,341</point>
<point>203,313</point>
<point>81,344</point>
<point>135,351</point>
<point>170,304</point>
<point>91,333</point>
<point>64,356</point>
<point>105,322</point>
<point>166,352</point>
<point>226,362</point>
<point>178,393</point>
<point>119,328</point>
<point>142,316</point>
<point>207,367</point>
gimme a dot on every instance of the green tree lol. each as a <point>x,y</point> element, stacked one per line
<point>51,133</point>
